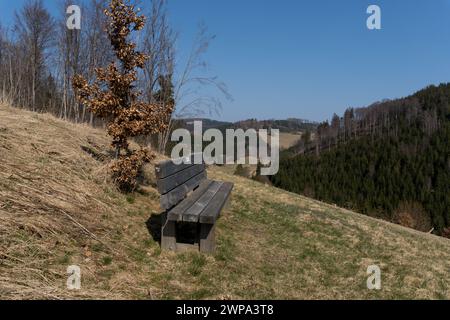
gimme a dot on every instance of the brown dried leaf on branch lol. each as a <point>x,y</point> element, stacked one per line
<point>126,169</point>
<point>113,96</point>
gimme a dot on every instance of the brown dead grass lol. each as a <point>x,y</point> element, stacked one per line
<point>57,208</point>
<point>288,139</point>
<point>55,205</point>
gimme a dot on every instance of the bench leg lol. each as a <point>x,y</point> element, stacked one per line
<point>168,234</point>
<point>207,238</point>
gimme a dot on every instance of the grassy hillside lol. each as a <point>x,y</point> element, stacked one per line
<point>57,208</point>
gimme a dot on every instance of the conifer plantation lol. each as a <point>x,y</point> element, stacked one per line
<point>389,160</point>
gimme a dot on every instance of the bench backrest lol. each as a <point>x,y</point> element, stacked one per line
<point>176,181</point>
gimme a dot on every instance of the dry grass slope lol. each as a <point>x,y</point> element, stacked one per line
<point>57,209</point>
<point>288,140</point>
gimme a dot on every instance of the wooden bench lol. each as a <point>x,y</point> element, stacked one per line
<point>190,201</point>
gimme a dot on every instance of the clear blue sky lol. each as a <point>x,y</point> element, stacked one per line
<point>308,59</point>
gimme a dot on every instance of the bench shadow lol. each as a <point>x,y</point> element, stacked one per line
<point>186,232</point>
<point>154,224</point>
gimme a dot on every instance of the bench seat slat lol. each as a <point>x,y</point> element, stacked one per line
<point>176,214</point>
<point>193,213</point>
<point>212,211</point>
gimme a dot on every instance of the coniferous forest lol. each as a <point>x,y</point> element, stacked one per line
<point>388,160</point>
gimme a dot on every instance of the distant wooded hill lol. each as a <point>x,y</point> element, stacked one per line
<point>390,160</point>
<point>291,125</point>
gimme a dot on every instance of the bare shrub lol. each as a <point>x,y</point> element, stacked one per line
<point>412,215</point>
<point>119,103</point>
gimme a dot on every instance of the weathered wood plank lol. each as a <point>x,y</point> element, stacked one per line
<point>187,247</point>
<point>193,213</point>
<point>171,182</point>
<point>176,214</point>
<point>173,197</point>
<point>208,238</point>
<point>168,234</point>
<point>168,167</point>
<point>211,213</point>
